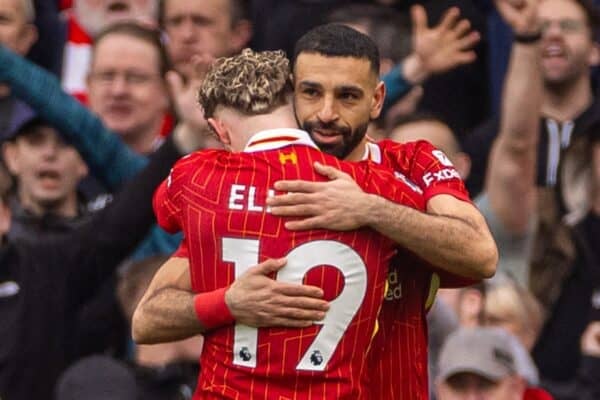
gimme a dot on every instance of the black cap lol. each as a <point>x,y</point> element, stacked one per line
<point>23,117</point>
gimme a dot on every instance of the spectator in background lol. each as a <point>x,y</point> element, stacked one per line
<point>97,378</point>
<point>408,58</point>
<point>218,28</point>
<point>513,308</point>
<point>565,268</point>
<point>47,171</point>
<point>127,86</point>
<point>84,22</point>
<point>123,91</point>
<point>567,50</point>
<point>51,278</point>
<point>17,33</point>
<point>530,187</point>
<point>479,363</point>
<point>426,126</point>
<point>456,97</point>
<point>164,371</point>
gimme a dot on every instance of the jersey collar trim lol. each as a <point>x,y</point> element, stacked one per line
<point>372,153</point>
<point>277,138</point>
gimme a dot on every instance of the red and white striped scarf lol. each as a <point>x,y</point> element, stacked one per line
<point>76,60</point>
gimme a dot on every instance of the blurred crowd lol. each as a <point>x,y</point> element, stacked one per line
<point>98,98</point>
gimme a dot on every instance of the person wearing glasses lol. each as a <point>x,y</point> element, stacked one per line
<point>530,192</point>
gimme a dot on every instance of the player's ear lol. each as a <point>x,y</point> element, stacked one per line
<point>221,130</point>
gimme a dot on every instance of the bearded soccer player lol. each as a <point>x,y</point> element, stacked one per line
<point>336,87</point>
<point>217,198</point>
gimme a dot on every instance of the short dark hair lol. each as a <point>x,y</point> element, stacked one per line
<point>388,28</point>
<point>238,10</point>
<point>146,34</point>
<point>337,40</point>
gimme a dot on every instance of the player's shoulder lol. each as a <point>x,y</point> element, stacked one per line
<point>389,145</point>
<point>197,158</point>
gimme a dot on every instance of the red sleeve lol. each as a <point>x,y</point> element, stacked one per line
<point>167,197</point>
<point>451,281</point>
<point>165,208</point>
<point>426,166</point>
<point>429,169</point>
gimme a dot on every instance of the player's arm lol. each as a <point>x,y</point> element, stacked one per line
<point>166,311</point>
<point>452,235</point>
<point>170,311</point>
<point>510,181</point>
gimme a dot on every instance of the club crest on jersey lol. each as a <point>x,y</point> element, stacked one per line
<point>289,157</point>
<point>245,354</point>
<point>409,183</point>
<point>442,158</point>
<point>316,358</point>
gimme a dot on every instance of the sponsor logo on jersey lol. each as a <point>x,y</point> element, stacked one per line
<point>409,183</point>
<point>289,157</point>
<point>441,175</point>
<point>442,158</point>
<point>393,287</point>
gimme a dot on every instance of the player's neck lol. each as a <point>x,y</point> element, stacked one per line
<point>359,151</point>
<point>279,119</point>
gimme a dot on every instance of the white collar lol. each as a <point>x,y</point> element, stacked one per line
<point>277,138</point>
<point>372,153</point>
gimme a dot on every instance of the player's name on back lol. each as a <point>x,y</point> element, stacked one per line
<point>244,198</point>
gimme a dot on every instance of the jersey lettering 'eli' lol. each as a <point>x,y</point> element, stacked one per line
<point>243,198</point>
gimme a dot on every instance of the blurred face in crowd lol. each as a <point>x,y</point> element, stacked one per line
<point>468,386</point>
<point>438,134</point>
<point>567,46</point>
<point>126,89</point>
<point>47,170</point>
<point>17,31</point>
<point>202,27</point>
<point>95,15</point>
<point>335,98</point>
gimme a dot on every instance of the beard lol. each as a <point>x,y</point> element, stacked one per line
<point>350,138</point>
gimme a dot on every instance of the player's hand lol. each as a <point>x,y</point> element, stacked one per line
<point>442,47</point>
<point>521,15</point>
<point>257,300</point>
<point>590,340</point>
<point>334,205</point>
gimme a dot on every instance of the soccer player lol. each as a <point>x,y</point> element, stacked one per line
<point>218,199</point>
<point>336,95</point>
<point>337,92</point>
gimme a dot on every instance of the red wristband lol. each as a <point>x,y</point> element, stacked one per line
<point>211,309</point>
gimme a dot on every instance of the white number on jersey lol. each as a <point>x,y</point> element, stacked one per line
<point>243,253</point>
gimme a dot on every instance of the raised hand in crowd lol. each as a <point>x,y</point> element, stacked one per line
<point>440,48</point>
<point>521,15</point>
<point>192,131</point>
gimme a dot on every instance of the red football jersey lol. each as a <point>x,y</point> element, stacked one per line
<point>398,355</point>
<point>218,199</point>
